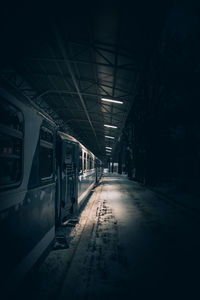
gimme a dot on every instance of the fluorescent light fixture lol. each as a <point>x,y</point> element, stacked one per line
<point>110,126</point>
<point>109,137</point>
<point>111,100</point>
<point>108,150</point>
<point>108,147</point>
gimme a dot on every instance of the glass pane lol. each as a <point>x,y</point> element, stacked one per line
<point>46,162</point>
<point>80,163</point>
<point>69,154</point>
<point>84,162</point>
<point>10,116</point>
<point>10,159</point>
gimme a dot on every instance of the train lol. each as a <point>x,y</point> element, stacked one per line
<point>45,177</point>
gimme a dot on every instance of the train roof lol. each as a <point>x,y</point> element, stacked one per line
<point>64,135</point>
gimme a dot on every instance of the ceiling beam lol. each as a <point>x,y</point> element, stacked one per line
<point>70,92</point>
<point>53,84</point>
<point>106,47</point>
<point>83,79</point>
<point>65,56</point>
<point>95,69</point>
<point>67,60</point>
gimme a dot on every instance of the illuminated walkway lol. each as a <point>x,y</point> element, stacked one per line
<point>130,242</point>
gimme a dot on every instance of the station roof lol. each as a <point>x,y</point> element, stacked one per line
<point>74,55</point>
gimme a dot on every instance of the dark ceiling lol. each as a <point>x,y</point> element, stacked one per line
<point>72,55</point>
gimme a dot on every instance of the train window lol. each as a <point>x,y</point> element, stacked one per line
<point>46,163</point>
<point>46,154</point>
<point>10,116</point>
<point>11,144</point>
<point>88,162</point>
<point>84,161</point>
<point>91,163</point>
<point>69,154</point>
<point>10,160</point>
<point>80,161</point>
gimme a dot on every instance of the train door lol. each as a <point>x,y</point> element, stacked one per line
<point>69,179</point>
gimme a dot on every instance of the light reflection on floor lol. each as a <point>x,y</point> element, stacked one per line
<point>133,244</point>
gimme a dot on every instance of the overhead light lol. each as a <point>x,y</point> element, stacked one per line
<point>111,100</point>
<point>110,126</point>
<point>109,137</point>
<point>108,150</point>
<point>108,147</point>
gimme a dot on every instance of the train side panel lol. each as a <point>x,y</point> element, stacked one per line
<point>76,176</point>
<point>87,175</point>
<point>26,198</point>
<point>45,176</point>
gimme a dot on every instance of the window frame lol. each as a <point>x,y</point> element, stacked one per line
<point>88,162</point>
<point>47,145</point>
<point>80,162</point>
<point>92,163</point>
<point>19,134</point>
<point>84,161</point>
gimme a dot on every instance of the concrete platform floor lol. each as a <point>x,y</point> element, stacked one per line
<point>129,242</point>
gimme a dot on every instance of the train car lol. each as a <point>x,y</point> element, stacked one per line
<point>86,174</point>
<point>45,176</point>
<point>77,175</point>
<point>27,185</point>
<point>99,169</point>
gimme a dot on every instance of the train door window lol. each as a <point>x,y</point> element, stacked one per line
<point>92,163</point>
<point>46,154</point>
<point>11,144</point>
<point>10,116</point>
<point>84,161</point>
<point>69,158</point>
<point>69,154</point>
<point>80,162</point>
<point>88,162</point>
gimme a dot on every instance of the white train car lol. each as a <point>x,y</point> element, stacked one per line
<point>78,173</point>
<point>45,175</point>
